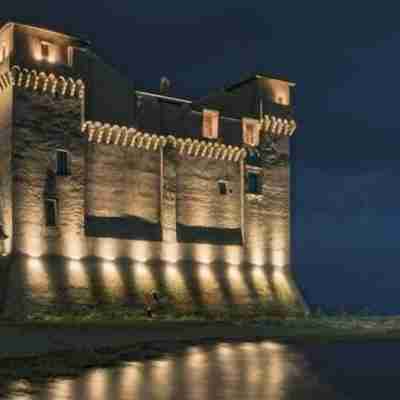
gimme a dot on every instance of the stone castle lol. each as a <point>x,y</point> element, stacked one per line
<point>108,193</point>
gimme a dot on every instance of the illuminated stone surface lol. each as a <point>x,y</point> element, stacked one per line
<point>141,208</point>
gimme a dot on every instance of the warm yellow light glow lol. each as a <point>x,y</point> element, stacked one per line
<point>282,286</point>
<point>171,252</point>
<point>233,255</point>
<point>21,390</point>
<point>141,251</point>
<point>77,276</point>
<point>131,380</point>
<point>176,284</point>
<point>143,278</point>
<point>260,281</point>
<point>112,277</point>
<point>32,243</point>
<point>61,389</point>
<point>276,370</point>
<point>196,369</point>
<point>37,278</point>
<point>253,367</point>
<point>210,288</point>
<point>239,289</point>
<point>160,377</point>
<point>73,247</point>
<point>97,383</point>
<point>279,243</point>
<point>106,249</point>
<point>205,253</point>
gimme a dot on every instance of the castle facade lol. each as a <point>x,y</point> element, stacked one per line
<point>108,192</point>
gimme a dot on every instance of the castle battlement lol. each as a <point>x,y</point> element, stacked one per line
<point>190,198</point>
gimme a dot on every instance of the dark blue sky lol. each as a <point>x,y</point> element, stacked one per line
<point>345,59</point>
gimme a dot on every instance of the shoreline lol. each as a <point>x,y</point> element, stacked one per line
<point>25,340</point>
<point>39,351</point>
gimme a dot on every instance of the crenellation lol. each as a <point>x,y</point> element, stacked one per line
<point>199,212</point>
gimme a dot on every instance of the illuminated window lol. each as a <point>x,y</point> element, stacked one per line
<point>45,50</point>
<point>251,131</point>
<point>51,212</point>
<point>3,53</point>
<point>254,182</point>
<point>210,124</point>
<point>62,163</point>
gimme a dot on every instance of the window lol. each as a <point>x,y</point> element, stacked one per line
<point>45,50</point>
<point>254,183</point>
<point>251,131</point>
<point>210,124</point>
<point>51,212</point>
<point>222,187</point>
<point>62,163</point>
<point>3,53</point>
<point>70,56</point>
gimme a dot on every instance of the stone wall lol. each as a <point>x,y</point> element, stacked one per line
<point>44,124</point>
<point>53,283</point>
<point>134,220</point>
<point>6,212</point>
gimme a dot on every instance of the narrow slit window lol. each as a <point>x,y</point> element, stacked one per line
<point>254,184</point>
<point>62,163</point>
<point>51,212</point>
<point>222,188</point>
<point>70,56</point>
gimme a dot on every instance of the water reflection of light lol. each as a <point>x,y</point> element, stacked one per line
<point>21,390</point>
<point>196,371</point>
<point>239,289</point>
<point>276,370</point>
<point>131,380</point>
<point>61,389</point>
<point>253,368</point>
<point>161,372</point>
<point>175,282</point>
<point>97,384</point>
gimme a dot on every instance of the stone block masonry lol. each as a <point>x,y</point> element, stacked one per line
<point>107,212</point>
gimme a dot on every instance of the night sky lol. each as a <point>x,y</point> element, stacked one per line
<point>345,59</point>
